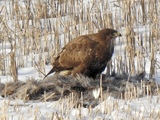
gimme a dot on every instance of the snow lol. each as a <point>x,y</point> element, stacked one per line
<point>113,109</point>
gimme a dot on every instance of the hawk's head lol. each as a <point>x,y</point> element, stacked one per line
<point>109,33</point>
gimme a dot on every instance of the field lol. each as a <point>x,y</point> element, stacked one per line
<point>32,33</point>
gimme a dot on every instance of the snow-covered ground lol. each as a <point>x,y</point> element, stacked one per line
<point>111,108</point>
<point>147,108</point>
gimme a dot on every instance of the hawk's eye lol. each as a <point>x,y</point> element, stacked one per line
<point>112,34</point>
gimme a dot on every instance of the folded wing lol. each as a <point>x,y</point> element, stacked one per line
<point>78,51</point>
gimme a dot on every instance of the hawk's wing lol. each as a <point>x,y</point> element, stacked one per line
<point>79,50</point>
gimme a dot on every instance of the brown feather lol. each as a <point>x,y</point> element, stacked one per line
<point>86,54</point>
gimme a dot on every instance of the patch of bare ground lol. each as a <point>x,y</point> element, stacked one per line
<point>56,87</point>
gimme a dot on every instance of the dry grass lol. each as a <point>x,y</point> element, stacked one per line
<point>77,94</point>
<point>58,87</point>
<point>36,31</point>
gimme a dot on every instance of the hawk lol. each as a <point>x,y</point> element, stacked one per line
<point>86,54</point>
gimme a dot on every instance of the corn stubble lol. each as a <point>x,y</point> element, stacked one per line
<point>39,30</point>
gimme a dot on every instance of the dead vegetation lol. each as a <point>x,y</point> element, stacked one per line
<point>39,29</point>
<point>33,32</point>
<point>58,87</point>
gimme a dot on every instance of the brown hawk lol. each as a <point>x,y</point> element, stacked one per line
<point>86,54</point>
